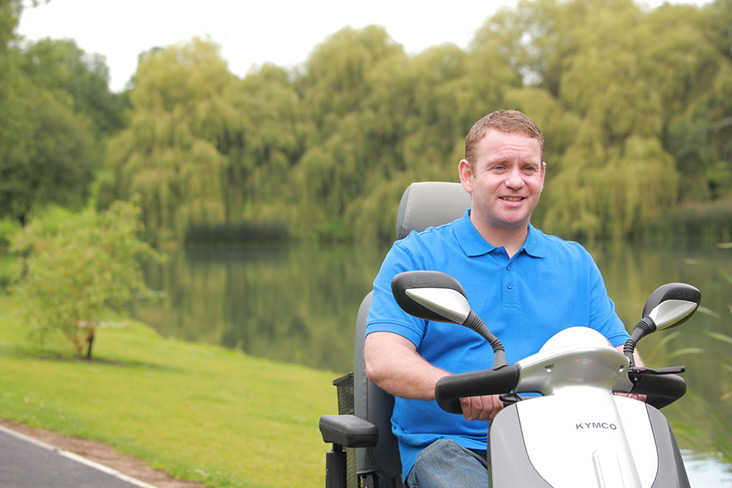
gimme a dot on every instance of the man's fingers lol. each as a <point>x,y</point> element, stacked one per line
<point>496,405</point>
<point>471,407</point>
<point>481,407</point>
<point>634,396</point>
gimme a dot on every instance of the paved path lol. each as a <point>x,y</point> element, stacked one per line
<point>28,463</point>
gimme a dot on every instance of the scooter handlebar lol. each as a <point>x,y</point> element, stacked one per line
<point>450,389</point>
<point>660,389</point>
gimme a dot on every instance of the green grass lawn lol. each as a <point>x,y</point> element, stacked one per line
<point>200,412</point>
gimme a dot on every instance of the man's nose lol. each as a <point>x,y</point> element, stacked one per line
<point>515,180</point>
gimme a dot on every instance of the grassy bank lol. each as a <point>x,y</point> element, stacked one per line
<point>199,412</point>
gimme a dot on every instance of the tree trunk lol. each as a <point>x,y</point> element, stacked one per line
<point>90,341</point>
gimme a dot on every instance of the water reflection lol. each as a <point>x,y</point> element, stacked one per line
<point>706,472</point>
<point>298,304</point>
<point>293,304</point>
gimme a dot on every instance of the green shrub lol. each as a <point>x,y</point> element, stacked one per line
<point>77,268</point>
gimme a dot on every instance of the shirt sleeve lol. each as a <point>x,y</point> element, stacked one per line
<point>385,315</point>
<point>603,316</point>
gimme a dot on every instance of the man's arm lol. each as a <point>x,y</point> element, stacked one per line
<point>393,363</point>
<point>638,361</point>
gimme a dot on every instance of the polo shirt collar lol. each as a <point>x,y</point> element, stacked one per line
<point>474,244</point>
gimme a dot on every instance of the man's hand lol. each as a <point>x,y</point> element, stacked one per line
<point>481,407</point>
<point>634,396</point>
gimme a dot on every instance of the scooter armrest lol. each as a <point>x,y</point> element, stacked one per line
<point>348,431</point>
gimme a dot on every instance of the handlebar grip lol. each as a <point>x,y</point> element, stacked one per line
<point>660,389</point>
<point>450,389</point>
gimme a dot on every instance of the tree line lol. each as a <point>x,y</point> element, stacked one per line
<point>635,105</point>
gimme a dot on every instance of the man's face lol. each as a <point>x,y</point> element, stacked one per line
<point>505,181</point>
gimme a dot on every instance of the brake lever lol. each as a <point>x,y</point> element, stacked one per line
<point>510,398</point>
<point>635,373</point>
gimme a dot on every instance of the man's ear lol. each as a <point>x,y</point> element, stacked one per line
<point>466,175</point>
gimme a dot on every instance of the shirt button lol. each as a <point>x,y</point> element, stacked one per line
<point>508,268</point>
<point>510,286</point>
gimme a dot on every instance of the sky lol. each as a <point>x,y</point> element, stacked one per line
<point>251,32</point>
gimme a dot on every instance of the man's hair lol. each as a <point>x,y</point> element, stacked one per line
<point>511,121</point>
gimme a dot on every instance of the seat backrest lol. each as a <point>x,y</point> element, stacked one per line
<point>430,204</point>
<point>423,205</point>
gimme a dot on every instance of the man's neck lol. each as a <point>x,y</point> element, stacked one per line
<point>511,239</point>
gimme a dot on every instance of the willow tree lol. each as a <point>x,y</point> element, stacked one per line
<point>272,138</point>
<point>637,87</point>
<point>424,106</point>
<point>603,193</point>
<point>337,85</point>
<point>694,72</point>
<point>624,79</point>
<point>184,111</point>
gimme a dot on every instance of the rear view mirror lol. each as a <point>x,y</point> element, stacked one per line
<point>431,295</point>
<point>672,304</point>
<point>439,297</point>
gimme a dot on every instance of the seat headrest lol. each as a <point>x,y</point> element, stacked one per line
<point>429,204</point>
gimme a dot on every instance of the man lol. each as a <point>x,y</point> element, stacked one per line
<point>524,284</point>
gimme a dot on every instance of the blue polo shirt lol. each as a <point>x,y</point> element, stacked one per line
<point>547,286</point>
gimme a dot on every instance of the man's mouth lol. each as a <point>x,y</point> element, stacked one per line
<point>512,199</point>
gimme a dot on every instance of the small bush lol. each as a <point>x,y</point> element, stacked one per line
<point>75,270</point>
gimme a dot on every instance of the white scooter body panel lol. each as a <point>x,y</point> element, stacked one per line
<point>579,434</point>
<point>588,439</point>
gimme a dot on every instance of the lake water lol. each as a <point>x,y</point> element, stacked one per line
<point>298,304</point>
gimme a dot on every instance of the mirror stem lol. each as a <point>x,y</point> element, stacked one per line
<point>476,323</point>
<point>641,329</point>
